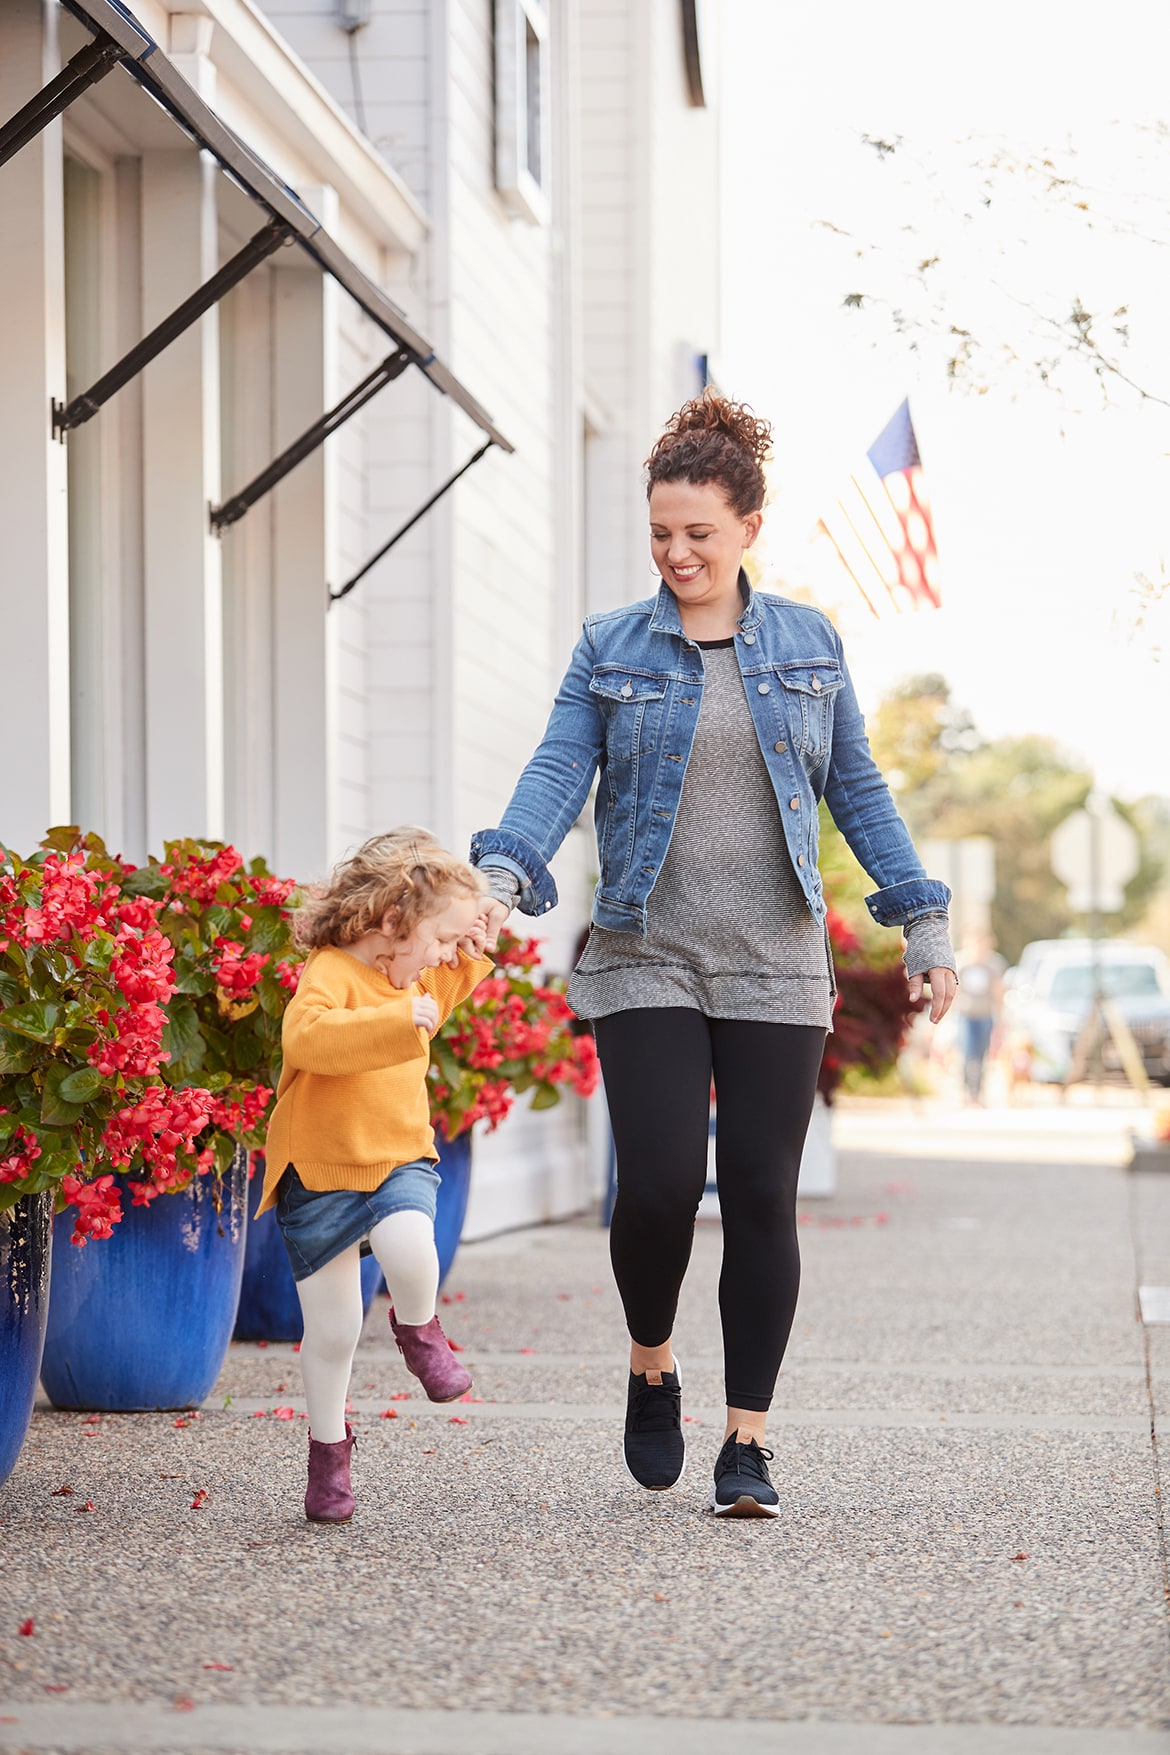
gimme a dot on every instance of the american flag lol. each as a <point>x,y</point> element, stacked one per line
<point>880,524</point>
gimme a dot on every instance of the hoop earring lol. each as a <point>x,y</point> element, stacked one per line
<point>654,573</point>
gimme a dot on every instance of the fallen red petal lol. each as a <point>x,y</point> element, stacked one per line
<point>457,1420</point>
<point>182,1704</point>
<point>454,1345</point>
<point>284,1413</point>
<point>61,1492</point>
<point>389,1414</point>
<point>199,1500</point>
<point>55,1687</point>
<point>528,1349</point>
<point>219,1666</point>
<point>28,1628</point>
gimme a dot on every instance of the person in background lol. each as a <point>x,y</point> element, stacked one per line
<point>980,1006</point>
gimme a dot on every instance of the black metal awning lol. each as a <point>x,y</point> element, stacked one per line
<point>121,41</point>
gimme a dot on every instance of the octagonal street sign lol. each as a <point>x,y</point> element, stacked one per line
<point>1095,852</point>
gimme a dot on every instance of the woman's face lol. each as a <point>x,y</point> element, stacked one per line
<point>697,540</point>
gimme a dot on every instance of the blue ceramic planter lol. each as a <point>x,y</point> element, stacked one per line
<point>454,1167</point>
<point>26,1237</point>
<point>143,1319</point>
<point>269,1307</point>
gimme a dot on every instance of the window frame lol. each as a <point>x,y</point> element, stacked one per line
<point>517,24</point>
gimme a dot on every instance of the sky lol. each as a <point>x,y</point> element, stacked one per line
<point>1046,506</point>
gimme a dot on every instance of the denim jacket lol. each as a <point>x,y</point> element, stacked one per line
<point>627,709</point>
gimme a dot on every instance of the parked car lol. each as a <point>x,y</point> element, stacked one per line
<point>1052,993</point>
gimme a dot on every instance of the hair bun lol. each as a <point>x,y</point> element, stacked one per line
<point>712,413</point>
<point>712,439</point>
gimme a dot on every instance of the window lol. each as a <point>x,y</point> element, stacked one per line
<point>522,124</point>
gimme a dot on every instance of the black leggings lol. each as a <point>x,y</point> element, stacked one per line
<point>658,1065</point>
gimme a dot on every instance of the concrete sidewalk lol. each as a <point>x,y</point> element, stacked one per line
<point>970,1556</point>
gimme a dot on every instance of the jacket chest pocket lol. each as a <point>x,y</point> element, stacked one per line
<point>805,697</point>
<point>632,704</point>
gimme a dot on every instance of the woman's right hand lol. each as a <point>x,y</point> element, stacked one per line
<point>494,916</point>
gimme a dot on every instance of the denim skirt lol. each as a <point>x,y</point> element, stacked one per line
<point>318,1224</point>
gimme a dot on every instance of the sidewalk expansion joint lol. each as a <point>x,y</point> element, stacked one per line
<point>80,1727</point>
<point>613,1413</point>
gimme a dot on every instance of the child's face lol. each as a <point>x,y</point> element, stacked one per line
<point>434,939</point>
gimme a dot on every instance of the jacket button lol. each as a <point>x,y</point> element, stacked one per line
<point>780,748</point>
<point>800,859</point>
<point>627,691</point>
<point>794,804</point>
<point>749,639</point>
<point>765,689</point>
<point>816,682</point>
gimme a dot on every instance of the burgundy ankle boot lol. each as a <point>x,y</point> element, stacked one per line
<point>428,1357</point>
<point>329,1498</point>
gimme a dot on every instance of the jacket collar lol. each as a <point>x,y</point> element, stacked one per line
<point>666,619</point>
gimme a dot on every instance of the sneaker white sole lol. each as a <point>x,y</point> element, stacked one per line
<point>744,1506</point>
<point>667,1486</point>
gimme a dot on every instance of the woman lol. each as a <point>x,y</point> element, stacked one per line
<point>716,717</point>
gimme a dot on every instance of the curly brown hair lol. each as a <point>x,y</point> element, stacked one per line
<point>712,439</point>
<point>405,869</point>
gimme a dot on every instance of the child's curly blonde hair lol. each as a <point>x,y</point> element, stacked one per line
<point>405,869</point>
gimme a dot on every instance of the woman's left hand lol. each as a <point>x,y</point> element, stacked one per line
<point>944,984</point>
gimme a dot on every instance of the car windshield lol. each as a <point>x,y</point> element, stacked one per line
<point>1119,981</point>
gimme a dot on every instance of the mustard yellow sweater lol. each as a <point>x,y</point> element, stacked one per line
<point>352,1104</point>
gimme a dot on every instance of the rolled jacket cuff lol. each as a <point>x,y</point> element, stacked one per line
<point>900,904</point>
<point>501,847</point>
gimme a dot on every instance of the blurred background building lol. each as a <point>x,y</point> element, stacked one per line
<point>536,187</point>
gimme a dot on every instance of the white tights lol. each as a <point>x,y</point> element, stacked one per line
<point>331,1303</point>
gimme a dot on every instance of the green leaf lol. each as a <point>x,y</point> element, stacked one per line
<point>57,1110</point>
<point>546,1098</point>
<point>62,839</point>
<point>194,980</point>
<point>219,922</point>
<point>249,1050</point>
<point>14,1059</point>
<point>99,953</point>
<point>182,1029</point>
<point>273,997</point>
<point>37,1019</point>
<point>12,991</point>
<point>148,880</point>
<point>270,933</point>
<point>81,1086</point>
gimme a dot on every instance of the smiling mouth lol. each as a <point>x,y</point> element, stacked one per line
<point>685,573</point>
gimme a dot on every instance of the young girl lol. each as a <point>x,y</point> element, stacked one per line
<point>395,941</point>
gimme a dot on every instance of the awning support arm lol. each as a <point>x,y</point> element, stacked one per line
<point>84,69</point>
<point>391,367</point>
<point>75,413</point>
<point>344,590</point>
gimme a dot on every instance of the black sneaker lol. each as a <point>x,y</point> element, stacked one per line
<point>741,1487</point>
<point>654,1449</point>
